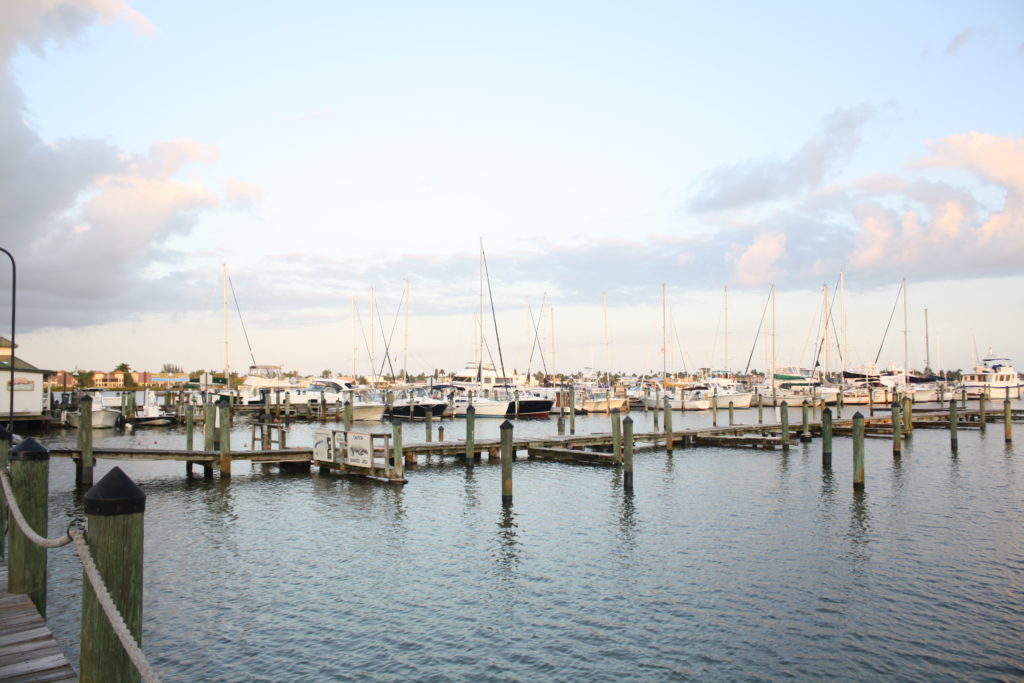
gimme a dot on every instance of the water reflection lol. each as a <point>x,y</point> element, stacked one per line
<point>859,529</point>
<point>508,543</point>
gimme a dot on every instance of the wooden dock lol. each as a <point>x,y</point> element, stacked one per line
<point>28,651</point>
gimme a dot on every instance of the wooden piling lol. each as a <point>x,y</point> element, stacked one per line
<point>6,439</point>
<point>668,425</point>
<point>85,467</point>
<point>1007,421</point>
<point>506,462</point>
<point>963,397</point>
<point>952,426</point>
<point>616,435</point>
<point>190,428</point>
<point>30,478</point>
<point>760,408</point>
<point>287,408</point>
<point>839,404</point>
<point>470,434</point>
<point>826,438</point>
<point>114,508</point>
<point>871,401</point>
<point>572,410</point>
<point>428,421</point>
<point>347,416</point>
<point>897,437</point>
<point>982,417</point>
<point>732,407</point>
<point>627,447</point>
<point>908,416</point>
<point>224,418</point>
<point>784,419</point>
<point>714,409</point>
<point>805,428</point>
<point>858,451</point>
<point>397,451</point>
<point>209,431</point>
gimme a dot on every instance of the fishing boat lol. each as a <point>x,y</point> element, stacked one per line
<point>993,377</point>
<point>150,414</point>
<point>102,416</point>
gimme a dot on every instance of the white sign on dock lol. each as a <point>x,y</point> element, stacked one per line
<point>323,445</point>
<point>359,450</point>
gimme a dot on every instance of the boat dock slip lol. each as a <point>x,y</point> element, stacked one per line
<point>572,455</point>
<point>28,651</point>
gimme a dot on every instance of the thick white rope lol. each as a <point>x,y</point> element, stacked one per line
<point>30,534</point>
<point>103,596</point>
<point>110,609</point>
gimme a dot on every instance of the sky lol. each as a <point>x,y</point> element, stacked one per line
<point>601,153</point>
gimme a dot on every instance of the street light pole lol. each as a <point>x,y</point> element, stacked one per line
<point>14,299</point>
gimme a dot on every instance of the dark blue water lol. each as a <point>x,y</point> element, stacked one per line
<point>723,564</point>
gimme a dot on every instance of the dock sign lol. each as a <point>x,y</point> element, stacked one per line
<point>359,450</point>
<point>323,446</point>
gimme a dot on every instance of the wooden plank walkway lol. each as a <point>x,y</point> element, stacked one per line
<point>28,651</point>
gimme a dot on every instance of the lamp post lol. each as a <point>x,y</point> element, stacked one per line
<point>14,289</point>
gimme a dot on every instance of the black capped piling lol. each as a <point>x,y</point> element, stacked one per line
<point>30,476</point>
<point>858,451</point>
<point>826,438</point>
<point>506,462</point>
<point>627,451</point>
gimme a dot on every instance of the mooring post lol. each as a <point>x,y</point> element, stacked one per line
<point>470,434</point>
<point>952,425</point>
<point>572,409</point>
<point>561,423</point>
<point>347,416</point>
<point>627,449</point>
<point>209,426</point>
<point>784,420</point>
<point>963,397</point>
<point>760,408</point>
<point>440,433</point>
<point>287,408</point>
<point>647,393</point>
<point>1007,420</point>
<point>667,407</point>
<point>858,451</point>
<point>30,478</point>
<point>714,409</point>
<point>908,416</point>
<point>871,401</point>
<point>114,510</point>
<point>224,416</point>
<point>398,454</point>
<point>732,420</point>
<point>428,421</point>
<point>6,438</point>
<point>85,466</point>
<point>897,436</point>
<point>805,429</point>
<point>657,409</point>
<point>517,404</point>
<point>190,428</point>
<point>982,417</point>
<point>839,403</point>
<point>506,462</point>
<point>826,438</point>
<point>616,435</point>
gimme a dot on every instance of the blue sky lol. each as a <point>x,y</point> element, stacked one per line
<point>324,148</point>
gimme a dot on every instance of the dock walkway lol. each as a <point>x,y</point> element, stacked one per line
<point>28,651</point>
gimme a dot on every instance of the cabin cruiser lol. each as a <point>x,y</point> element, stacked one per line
<point>483,380</point>
<point>102,417</point>
<point>994,377</point>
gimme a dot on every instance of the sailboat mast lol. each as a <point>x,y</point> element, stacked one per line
<point>355,346</point>
<point>373,332</point>
<point>726,299</point>
<point>664,342</point>
<point>845,361</point>
<point>405,354</point>
<point>607,360</point>
<point>905,347</point>
<point>227,366</point>
<point>773,337</point>
<point>554,367</point>
<point>828,319</point>
<point>927,351</point>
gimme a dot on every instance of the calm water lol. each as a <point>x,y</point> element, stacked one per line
<point>726,564</point>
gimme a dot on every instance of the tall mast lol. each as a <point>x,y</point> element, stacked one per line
<point>905,333</point>
<point>355,346</point>
<point>405,359</point>
<point>773,337</point>
<point>553,366</point>
<point>726,299</point>
<point>842,319</point>
<point>373,333</point>
<point>927,352</point>
<point>828,319</point>
<point>607,359</point>
<point>480,320</point>
<point>664,341</point>
<point>227,365</point>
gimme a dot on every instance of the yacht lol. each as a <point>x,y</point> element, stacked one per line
<point>994,378</point>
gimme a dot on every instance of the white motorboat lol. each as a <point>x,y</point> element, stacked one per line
<point>994,377</point>
<point>150,414</point>
<point>102,416</point>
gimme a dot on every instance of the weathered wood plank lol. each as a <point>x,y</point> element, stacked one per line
<point>28,651</point>
<point>572,455</point>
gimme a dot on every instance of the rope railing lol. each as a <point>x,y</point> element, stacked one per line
<point>117,623</point>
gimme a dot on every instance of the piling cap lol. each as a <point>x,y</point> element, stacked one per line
<point>505,425</point>
<point>114,494</point>
<point>628,420</point>
<point>858,415</point>
<point>30,449</point>
<point>5,435</point>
